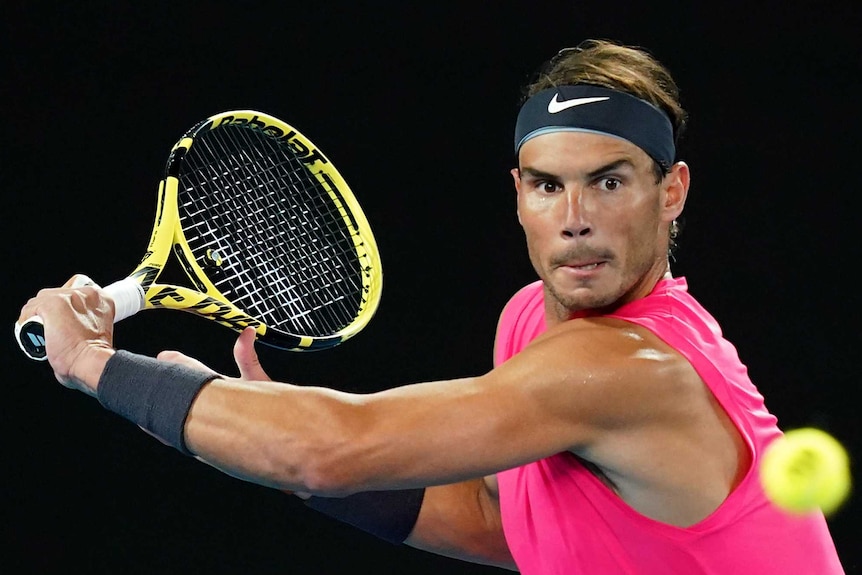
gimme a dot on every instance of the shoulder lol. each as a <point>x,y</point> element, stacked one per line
<point>601,339</point>
<point>608,371</point>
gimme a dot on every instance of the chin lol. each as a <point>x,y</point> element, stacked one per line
<point>582,298</point>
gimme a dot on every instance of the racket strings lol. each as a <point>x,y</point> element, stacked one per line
<point>287,255</point>
<point>272,277</point>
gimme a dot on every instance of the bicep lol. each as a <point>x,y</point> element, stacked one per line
<point>462,521</point>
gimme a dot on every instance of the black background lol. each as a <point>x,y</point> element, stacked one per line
<point>415,104</point>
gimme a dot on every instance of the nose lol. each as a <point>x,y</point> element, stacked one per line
<point>576,221</point>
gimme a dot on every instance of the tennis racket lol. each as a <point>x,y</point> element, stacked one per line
<point>268,233</point>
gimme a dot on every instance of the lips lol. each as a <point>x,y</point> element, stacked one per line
<point>584,260</point>
<point>582,266</point>
<point>585,267</point>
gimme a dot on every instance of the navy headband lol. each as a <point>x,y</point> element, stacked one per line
<point>584,108</point>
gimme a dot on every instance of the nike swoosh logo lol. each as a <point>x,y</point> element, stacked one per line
<point>555,106</point>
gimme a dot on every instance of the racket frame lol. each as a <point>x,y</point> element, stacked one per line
<point>206,300</point>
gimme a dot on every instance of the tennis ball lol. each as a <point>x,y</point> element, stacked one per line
<point>805,469</point>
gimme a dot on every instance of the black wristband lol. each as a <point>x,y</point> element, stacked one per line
<point>156,395</point>
<point>389,515</point>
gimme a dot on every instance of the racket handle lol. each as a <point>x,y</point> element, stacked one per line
<point>128,296</point>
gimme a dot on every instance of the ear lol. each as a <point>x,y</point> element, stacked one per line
<point>676,184</point>
<point>516,175</point>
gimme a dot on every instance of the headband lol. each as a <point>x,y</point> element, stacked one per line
<point>584,108</point>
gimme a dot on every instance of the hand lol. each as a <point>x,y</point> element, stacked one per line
<point>79,330</point>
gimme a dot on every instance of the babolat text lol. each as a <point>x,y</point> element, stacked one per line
<point>301,147</point>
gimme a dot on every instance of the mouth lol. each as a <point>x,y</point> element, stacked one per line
<point>584,267</point>
<point>585,264</point>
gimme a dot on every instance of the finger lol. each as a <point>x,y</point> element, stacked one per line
<point>29,310</point>
<point>246,357</point>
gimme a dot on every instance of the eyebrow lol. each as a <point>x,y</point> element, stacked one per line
<point>609,167</point>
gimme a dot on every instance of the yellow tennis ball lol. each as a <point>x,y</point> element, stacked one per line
<point>805,469</point>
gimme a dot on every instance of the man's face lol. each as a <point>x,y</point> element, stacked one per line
<point>596,221</point>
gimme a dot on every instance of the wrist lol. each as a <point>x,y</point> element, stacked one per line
<point>157,395</point>
<point>89,366</point>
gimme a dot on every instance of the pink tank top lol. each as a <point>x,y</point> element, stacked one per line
<point>558,518</point>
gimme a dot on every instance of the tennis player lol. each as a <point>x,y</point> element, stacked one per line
<point>618,431</point>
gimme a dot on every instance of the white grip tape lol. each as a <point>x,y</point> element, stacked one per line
<point>128,296</point>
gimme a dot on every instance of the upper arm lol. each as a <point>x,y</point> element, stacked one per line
<point>564,391</point>
<point>462,520</point>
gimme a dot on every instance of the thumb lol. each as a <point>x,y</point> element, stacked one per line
<point>246,357</point>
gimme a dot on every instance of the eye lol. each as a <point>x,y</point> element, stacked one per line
<point>609,184</point>
<point>547,186</point>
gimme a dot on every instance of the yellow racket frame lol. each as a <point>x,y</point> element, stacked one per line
<point>206,300</point>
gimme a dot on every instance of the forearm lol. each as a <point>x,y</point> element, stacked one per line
<point>269,433</point>
<point>296,438</point>
<point>274,434</point>
<point>332,443</point>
